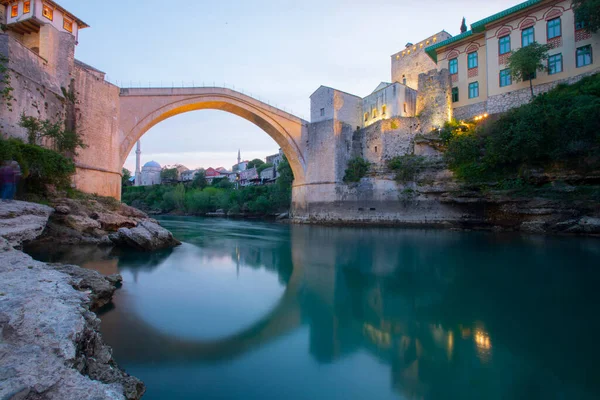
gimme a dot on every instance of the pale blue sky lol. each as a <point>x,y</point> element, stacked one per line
<point>280,50</point>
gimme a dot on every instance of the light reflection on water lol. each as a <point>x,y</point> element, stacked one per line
<point>266,311</point>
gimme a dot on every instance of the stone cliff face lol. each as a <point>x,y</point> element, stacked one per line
<point>50,345</point>
<point>435,199</point>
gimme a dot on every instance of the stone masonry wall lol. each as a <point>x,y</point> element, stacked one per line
<point>504,102</point>
<point>36,93</point>
<point>412,61</point>
<point>58,50</point>
<point>97,119</point>
<point>434,101</point>
<point>470,111</point>
<point>386,139</point>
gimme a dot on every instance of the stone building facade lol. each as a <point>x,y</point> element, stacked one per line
<point>477,59</point>
<point>409,63</point>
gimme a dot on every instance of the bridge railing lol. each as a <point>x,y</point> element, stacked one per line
<point>198,84</point>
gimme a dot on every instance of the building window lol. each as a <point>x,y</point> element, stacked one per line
<point>14,11</point>
<point>322,112</point>
<point>504,45</point>
<point>554,28</point>
<point>394,90</point>
<point>555,64</point>
<point>584,56</point>
<point>455,95</point>
<point>473,60</point>
<point>505,78</point>
<point>383,109</point>
<point>473,90</point>
<point>48,12</point>
<point>527,37</point>
<point>374,113</point>
<point>366,117</point>
<point>27,7</point>
<point>68,26</point>
<point>375,149</point>
<point>453,66</point>
<point>405,108</point>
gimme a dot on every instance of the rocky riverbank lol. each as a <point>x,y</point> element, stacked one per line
<point>104,222</point>
<point>50,344</point>
<point>549,203</point>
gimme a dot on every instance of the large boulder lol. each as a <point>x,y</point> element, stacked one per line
<point>147,236</point>
<point>81,223</point>
<point>112,222</point>
<point>22,222</point>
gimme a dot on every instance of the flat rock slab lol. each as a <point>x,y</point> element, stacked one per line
<point>42,319</point>
<point>21,221</point>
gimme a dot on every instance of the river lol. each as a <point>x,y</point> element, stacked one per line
<point>252,310</point>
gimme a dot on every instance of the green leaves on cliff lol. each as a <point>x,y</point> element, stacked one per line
<point>357,169</point>
<point>560,128</point>
<point>406,167</point>
<point>40,167</point>
<point>63,141</point>
<point>6,89</point>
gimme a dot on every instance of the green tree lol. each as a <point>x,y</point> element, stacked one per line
<point>525,62</point>
<point>200,180</point>
<point>286,175</point>
<point>222,183</point>
<point>126,177</point>
<point>255,163</point>
<point>169,174</point>
<point>588,12</point>
<point>262,167</point>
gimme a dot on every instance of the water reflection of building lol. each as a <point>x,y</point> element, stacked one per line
<point>384,293</point>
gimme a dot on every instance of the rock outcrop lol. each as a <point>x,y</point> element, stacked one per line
<point>104,222</point>
<point>22,222</point>
<point>50,345</point>
<point>558,203</point>
<point>146,236</point>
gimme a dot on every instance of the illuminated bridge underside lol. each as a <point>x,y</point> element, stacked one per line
<point>141,109</point>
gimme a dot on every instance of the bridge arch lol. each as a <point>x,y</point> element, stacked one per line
<point>141,109</point>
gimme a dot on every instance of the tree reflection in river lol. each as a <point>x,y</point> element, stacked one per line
<point>452,315</point>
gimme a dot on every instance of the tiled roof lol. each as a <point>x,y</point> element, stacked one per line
<point>431,50</point>
<point>479,27</point>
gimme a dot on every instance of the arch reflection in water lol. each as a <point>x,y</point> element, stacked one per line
<point>376,313</point>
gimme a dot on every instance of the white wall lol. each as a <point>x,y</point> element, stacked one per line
<point>336,105</point>
<point>394,98</point>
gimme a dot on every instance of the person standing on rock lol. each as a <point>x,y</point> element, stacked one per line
<point>8,177</point>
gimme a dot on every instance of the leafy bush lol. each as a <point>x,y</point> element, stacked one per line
<point>357,169</point>
<point>406,167</point>
<point>40,167</point>
<point>559,128</point>
<point>64,141</point>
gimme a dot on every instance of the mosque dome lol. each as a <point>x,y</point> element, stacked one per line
<point>152,164</point>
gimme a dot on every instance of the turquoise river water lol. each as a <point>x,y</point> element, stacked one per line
<point>252,310</point>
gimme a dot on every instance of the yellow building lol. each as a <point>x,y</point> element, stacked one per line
<point>477,59</point>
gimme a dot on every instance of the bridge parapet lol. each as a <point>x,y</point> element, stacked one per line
<point>192,91</point>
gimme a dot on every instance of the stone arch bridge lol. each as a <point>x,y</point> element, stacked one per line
<point>137,110</point>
